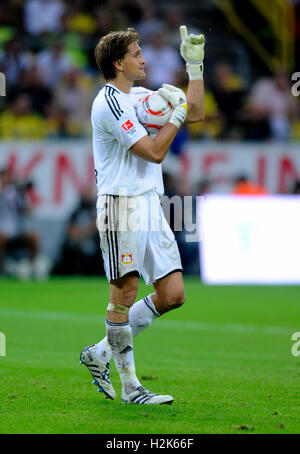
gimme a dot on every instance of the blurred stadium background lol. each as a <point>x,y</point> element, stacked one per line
<point>248,144</point>
<point>233,343</point>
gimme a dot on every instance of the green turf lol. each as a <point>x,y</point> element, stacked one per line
<point>225,356</point>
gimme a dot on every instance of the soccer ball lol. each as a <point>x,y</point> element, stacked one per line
<point>153,111</point>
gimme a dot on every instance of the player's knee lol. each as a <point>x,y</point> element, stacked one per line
<point>175,300</point>
<point>179,299</point>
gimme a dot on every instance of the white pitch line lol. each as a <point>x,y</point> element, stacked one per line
<point>165,323</point>
<point>52,315</point>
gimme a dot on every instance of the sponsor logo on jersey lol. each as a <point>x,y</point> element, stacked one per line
<point>127,125</point>
<point>127,259</point>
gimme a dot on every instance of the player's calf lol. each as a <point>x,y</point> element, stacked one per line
<point>169,293</point>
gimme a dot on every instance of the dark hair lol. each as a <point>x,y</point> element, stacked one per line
<point>111,48</point>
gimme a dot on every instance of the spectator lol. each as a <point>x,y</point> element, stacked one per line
<point>19,122</point>
<point>13,61</point>
<point>271,108</point>
<point>7,21</point>
<point>213,125</point>
<point>204,187</point>
<point>14,234</point>
<point>43,16</point>
<point>80,252</point>
<point>79,20</point>
<point>133,10</point>
<point>157,52</point>
<point>74,94</point>
<point>11,18</point>
<point>243,186</point>
<point>149,24</point>
<point>53,64</point>
<point>32,85</point>
<point>108,19</point>
<point>180,213</point>
<point>174,18</point>
<point>58,124</point>
<point>296,187</point>
<point>228,90</point>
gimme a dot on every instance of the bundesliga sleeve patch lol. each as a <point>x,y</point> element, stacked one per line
<point>128,126</point>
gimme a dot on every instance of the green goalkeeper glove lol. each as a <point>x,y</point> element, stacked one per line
<point>177,98</point>
<point>192,51</point>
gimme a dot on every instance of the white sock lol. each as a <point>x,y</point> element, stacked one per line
<point>103,350</point>
<point>141,315</point>
<point>119,337</point>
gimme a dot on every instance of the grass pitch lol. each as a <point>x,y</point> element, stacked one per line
<point>225,356</point>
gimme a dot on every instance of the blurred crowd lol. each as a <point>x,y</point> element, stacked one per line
<point>20,253</point>
<point>47,56</point>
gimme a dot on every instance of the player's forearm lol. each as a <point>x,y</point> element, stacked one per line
<point>163,141</point>
<point>155,150</point>
<point>195,101</point>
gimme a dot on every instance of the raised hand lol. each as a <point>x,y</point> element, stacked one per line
<point>192,51</point>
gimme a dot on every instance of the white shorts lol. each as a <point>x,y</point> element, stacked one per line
<point>135,237</point>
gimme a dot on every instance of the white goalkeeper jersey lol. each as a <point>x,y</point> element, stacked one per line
<point>115,130</point>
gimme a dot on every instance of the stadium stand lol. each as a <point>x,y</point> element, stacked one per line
<point>47,56</point>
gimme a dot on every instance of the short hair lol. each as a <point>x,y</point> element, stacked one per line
<point>111,48</point>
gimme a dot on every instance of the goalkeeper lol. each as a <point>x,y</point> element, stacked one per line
<point>128,160</point>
